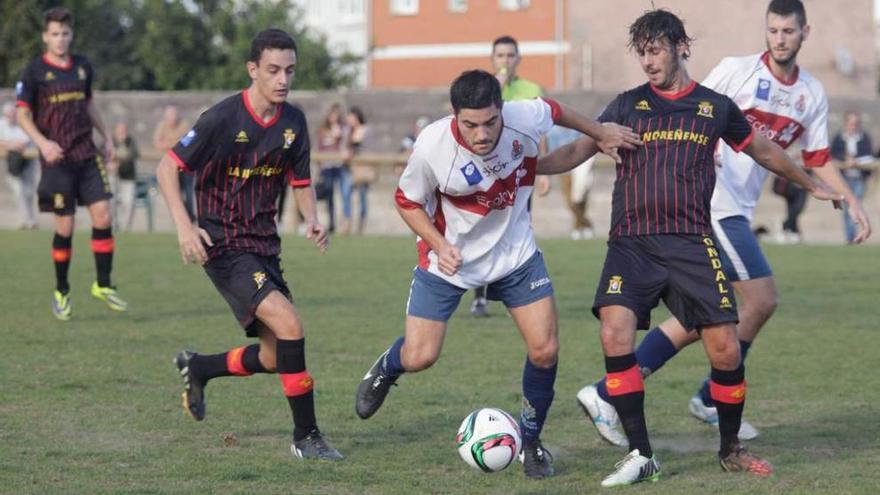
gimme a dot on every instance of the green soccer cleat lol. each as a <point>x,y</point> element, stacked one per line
<point>109,296</point>
<point>61,306</point>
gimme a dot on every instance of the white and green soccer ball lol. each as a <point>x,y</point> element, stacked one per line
<point>489,440</point>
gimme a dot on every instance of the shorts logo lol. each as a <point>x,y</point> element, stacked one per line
<point>59,201</point>
<point>471,174</point>
<point>763,92</point>
<point>801,105</point>
<point>50,76</point>
<point>188,138</point>
<point>259,279</point>
<point>81,73</point>
<point>725,303</point>
<point>705,109</point>
<point>615,285</point>
<point>643,105</point>
<point>539,283</point>
<point>289,136</point>
<point>241,137</point>
<point>517,149</point>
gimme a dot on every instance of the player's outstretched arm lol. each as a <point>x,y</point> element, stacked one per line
<point>189,237</point>
<point>448,256</point>
<point>770,156</point>
<point>305,201</point>
<point>609,137</point>
<point>567,157</point>
<point>831,175</point>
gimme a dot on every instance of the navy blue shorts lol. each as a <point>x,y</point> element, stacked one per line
<point>741,255</point>
<point>682,270</point>
<point>244,280</point>
<point>433,298</point>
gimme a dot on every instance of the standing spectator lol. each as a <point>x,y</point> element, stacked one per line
<point>795,200</point>
<point>362,175</point>
<point>22,172</point>
<point>168,132</point>
<point>576,185</point>
<point>330,140</point>
<point>851,148</point>
<point>124,165</point>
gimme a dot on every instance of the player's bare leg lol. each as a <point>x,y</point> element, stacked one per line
<point>538,324</point>
<point>103,246</point>
<point>61,253</point>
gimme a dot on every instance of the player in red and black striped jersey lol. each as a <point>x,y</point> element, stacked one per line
<point>244,151</point>
<point>55,108</point>
<point>661,244</point>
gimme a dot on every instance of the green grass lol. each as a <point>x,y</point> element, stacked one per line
<point>92,405</point>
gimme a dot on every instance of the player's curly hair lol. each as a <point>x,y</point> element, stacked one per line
<point>655,25</point>
<point>475,89</point>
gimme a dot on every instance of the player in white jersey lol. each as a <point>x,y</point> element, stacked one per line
<point>787,105</point>
<point>464,193</point>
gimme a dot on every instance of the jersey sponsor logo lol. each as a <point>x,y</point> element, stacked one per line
<point>471,174</point>
<point>489,168</point>
<point>50,76</point>
<point>643,105</point>
<point>289,136</point>
<point>188,138</point>
<point>81,73</point>
<point>517,149</point>
<point>69,96</point>
<point>705,109</point>
<point>19,88</point>
<point>763,91</point>
<point>781,98</point>
<point>777,128</point>
<point>675,135</point>
<point>615,285</point>
<point>241,137</point>
<point>260,279</point>
<point>801,105</point>
<point>247,173</point>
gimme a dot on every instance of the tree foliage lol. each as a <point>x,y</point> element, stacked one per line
<point>167,44</point>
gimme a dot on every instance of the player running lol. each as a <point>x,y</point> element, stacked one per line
<point>464,193</point>
<point>661,244</point>
<point>244,151</point>
<point>787,105</point>
<point>56,110</point>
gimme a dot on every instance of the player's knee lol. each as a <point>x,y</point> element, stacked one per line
<point>615,341</point>
<point>766,306</point>
<point>725,354</point>
<point>267,359</point>
<point>544,356</point>
<point>102,219</point>
<point>419,359</point>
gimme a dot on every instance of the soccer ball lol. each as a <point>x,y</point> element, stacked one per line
<point>488,439</point>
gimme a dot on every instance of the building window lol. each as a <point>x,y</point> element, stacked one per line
<point>404,7</point>
<point>513,5</point>
<point>458,6</point>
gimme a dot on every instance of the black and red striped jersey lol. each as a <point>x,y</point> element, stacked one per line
<point>665,186</point>
<point>59,96</point>
<point>241,165</point>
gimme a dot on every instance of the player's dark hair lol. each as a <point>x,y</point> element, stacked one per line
<point>270,39</point>
<point>785,8</point>
<point>475,89</point>
<point>57,14</point>
<point>359,114</point>
<point>655,25</point>
<point>505,40</point>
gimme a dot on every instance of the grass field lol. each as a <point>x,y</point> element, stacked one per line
<point>92,405</point>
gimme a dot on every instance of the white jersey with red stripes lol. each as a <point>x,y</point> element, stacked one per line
<point>479,202</point>
<point>786,112</point>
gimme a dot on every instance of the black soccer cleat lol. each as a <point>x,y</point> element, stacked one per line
<point>373,389</point>
<point>537,461</point>
<point>313,446</point>
<point>193,388</point>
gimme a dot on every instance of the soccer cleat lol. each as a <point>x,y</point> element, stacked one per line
<point>633,469</point>
<point>537,461</point>
<point>709,415</point>
<point>603,416</point>
<point>373,388</point>
<point>193,389</point>
<point>109,296</point>
<point>479,308</point>
<point>741,460</point>
<point>313,446</point>
<point>61,306</point>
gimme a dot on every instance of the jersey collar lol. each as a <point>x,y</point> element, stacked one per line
<point>50,63</point>
<point>765,57</point>
<point>257,119</point>
<point>674,96</point>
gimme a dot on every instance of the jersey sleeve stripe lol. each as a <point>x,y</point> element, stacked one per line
<point>178,161</point>
<point>300,182</point>
<point>741,146</point>
<point>404,202</point>
<point>816,158</point>
<point>555,108</point>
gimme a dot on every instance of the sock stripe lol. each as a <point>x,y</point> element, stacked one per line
<point>61,255</point>
<point>296,384</point>
<point>102,245</point>
<point>727,394</point>
<point>234,362</point>
<point>625,382</point>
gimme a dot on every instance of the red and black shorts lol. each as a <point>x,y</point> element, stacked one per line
<point>244,280</point>
<point>682,270</point>
<point>66,185</point>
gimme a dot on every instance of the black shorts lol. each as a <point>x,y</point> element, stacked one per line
<point>683,270</point>
<point>65,185</point>
<point>244,280</point>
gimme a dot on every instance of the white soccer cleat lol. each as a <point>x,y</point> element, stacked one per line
<point>709,415</point>
<point>632,469</point>
<point>603,416</point>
